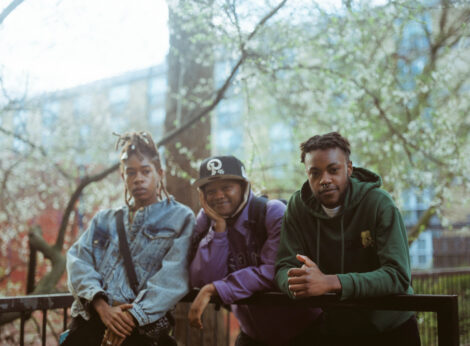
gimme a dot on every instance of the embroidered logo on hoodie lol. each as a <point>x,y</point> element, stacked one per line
<point>366,239</point>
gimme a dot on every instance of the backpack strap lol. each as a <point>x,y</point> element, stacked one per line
<point>257,219</point>
<point>125,252</point>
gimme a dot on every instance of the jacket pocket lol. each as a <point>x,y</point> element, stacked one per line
<point>154,245</point>
<point>159,233</point>
<point>100,244</point>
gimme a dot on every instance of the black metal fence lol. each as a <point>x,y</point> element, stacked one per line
<point>446,307</point>
<point>444,281</point>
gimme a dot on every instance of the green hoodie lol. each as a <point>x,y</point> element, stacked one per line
<point>365,244</point>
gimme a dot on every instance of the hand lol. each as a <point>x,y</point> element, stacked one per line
<point>220,224</point>
<point>115,318</point>
<point>111,339</point>
<point>309,280</point>
<point>199,305</point>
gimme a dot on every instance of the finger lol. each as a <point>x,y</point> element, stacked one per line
<point>297,280</point>
<point>296,272</point>
<point>202,200</point>
<point>301,294</point>
<point>114,329</point>
<point>128,319</point>
<point>122,325</point>
<point>307,261</point>
<point>297,288</point>
<point>115,340</point>
<point>125,307</point>
<point>103,342</point>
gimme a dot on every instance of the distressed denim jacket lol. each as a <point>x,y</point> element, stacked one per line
<point>158,240</point>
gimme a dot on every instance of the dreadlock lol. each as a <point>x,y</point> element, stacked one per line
<point>140,144</point>
<point>326,141</point>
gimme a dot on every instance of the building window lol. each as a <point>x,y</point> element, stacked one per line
<point>50,114</point>
<point>157,121</point>
<point>118,98</point>
<point>82,107</point>
<point>157,90</point>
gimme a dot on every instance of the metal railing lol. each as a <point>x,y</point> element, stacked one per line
<point>446,307</point>
<point>454,281</point>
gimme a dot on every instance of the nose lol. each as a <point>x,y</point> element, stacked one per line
<point>325,179</point>
<point>139,177</point>
<point>219,194</point>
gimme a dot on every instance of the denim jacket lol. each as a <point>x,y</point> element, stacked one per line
<point>158,240</point>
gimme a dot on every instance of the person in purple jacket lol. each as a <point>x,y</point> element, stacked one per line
<point>228,264</point>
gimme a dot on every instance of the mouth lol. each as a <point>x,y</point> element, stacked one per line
<point>327,192</point>
<point>221,204</point>
<point>139,191</point>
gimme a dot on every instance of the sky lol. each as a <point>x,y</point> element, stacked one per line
<point>47,45</point>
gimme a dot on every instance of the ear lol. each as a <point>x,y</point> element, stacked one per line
<point>350,168</point>
<point>160,172</point>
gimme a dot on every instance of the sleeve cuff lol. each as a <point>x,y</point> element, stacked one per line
<point>347,286</point>
<point>139,315</point>
<point>224,292</point>
<point>94,294</point>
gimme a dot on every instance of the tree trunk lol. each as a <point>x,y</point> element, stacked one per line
<point>190,87</point>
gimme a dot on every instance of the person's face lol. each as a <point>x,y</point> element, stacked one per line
<point>141,179</point>
<point>328,172</point>
<point>224,196</point>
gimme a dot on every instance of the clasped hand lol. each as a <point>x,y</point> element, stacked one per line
<point>118,321</point>
<point>309,280</point>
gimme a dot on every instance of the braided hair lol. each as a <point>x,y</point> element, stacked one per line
<point>326,141</point>
<point>140,144</point>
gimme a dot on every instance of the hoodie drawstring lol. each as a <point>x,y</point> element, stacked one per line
<point>342,245</point>
<point>318,242</point>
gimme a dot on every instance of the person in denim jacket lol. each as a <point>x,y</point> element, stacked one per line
<point>158,232</point>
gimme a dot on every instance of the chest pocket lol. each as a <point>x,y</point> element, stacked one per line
<point>153,245</point>
<point>100,244</point>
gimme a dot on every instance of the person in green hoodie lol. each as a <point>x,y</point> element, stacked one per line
<point>342,233</point>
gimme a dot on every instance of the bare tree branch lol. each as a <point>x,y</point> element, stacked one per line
<point>36,147</point>
<point>14,4</point>
<point>73,200</point>
<point>421,225</point>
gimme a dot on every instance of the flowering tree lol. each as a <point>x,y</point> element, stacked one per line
<point>392,78</point>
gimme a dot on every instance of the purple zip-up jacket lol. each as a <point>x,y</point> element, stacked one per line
<point>253,273</point>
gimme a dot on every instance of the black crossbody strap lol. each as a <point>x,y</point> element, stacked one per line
<point>125,252</point>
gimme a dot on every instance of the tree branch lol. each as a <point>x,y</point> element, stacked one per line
<point>221,91</point>
<point>421,225</point>
<point>73,200</point>
<point>14,4</point>
<point>36,147</point>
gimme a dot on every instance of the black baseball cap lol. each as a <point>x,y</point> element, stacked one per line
<point>220,167</point>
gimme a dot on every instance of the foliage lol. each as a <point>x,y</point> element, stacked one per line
<point>393,78</point>
<point>446,283</point>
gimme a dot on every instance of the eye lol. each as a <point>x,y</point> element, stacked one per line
<point>314,174</point>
